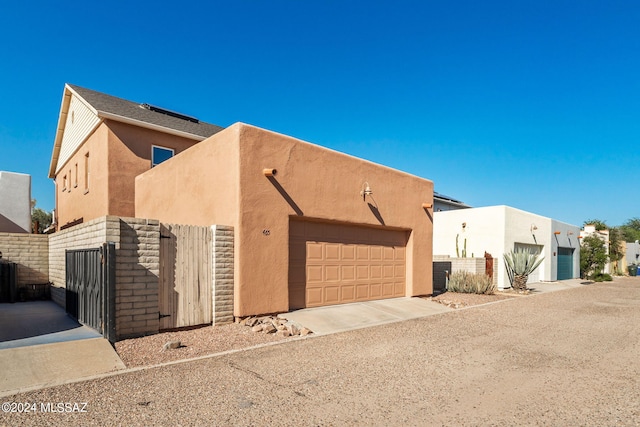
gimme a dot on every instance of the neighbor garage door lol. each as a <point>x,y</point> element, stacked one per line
<point>336,264</point>
<point>565,263</point>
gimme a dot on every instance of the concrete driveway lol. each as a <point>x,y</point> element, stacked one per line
<point>40,345</point>
<point>346,317</point>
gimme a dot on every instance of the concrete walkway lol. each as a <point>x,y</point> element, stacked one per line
<point>346,317</point>
<point>40,345</point>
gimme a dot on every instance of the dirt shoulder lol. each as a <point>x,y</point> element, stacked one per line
<point>195,342</point>
<point>460,300</point>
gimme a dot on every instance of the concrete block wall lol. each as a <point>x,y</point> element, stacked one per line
<point>88,235</point>
<point>223,274</point>
<point>472,265</point>
<point>31,254</point>
<point>137,277</point>
<point>137,244</point>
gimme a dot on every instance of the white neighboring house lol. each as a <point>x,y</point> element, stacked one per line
<point>633,253</point>
<point>500,229</point>
<point>15,202</point>
<point>590,229</point>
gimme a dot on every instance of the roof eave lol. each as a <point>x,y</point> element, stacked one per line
<point>62,120</point>
<point>140,123</point>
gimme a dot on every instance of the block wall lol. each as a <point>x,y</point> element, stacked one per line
<point>137,277</point>
<point>472,265</point>
<point>223,270</point>
<point>30,252</point>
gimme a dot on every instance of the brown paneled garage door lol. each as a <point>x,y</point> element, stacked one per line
<point>336,264</point>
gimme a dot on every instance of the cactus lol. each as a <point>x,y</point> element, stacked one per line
<point>464,250</point>
<point>457,251</point>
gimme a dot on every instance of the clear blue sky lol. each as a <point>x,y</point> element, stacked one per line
<point>531,104</point>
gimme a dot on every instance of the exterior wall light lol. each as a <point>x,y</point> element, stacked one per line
<point>269,172</point>
<point>427,205</point>
<point>556,232</point>
<point>533,228</point>
<point>366,191</point>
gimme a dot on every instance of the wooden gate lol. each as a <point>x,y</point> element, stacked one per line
<point>488,265</point>
<point>185,293</point>
<point>90,288</point>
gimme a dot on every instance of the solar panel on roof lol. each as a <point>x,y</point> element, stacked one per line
<point>169,113</point>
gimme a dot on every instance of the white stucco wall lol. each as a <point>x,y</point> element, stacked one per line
<point>633,253</point>
<point>15,202</point>
<point>497,230</point>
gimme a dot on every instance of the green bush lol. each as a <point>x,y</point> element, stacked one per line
<point>471,283</point>
<point>602,277</point>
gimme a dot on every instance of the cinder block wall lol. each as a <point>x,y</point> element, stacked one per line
<point>472,265</point>
<point>30,252</point>
<point>137,271</point>
<point>89,235</point>
<point>222,274</point>
<point>137,263</point>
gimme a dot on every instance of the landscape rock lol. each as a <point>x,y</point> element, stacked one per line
<point>171,345</point>
<point>274,324</point>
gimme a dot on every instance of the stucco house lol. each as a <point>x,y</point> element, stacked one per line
<point>500,229</point>
<point>15,202</point>
<point>102,143</point>
<point>311,226</point>
<point>442,202</point>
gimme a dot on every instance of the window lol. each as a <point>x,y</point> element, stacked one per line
<point>69,187</point>
<point>75,182</point>
<point>160,154</point>
<point>86,173</point>
<point>64,183</point>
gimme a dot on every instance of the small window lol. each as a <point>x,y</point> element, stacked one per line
<point>86,173</point>
<point>64,183</point>
<point>75,182</point>
<point>160,154</point>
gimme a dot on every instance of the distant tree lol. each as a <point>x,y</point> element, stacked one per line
<point>599,224</point>
<point>39,218</point>
<point>631,230</point>
<point>616,252</point>
<point>593,256</point>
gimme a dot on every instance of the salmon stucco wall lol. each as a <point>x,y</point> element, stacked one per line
<point>82,198</point>
<point>221,181</point>
<point>197,187</point>
<point>117,153</point>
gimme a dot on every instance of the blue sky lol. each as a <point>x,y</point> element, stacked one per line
<point>531,104</point>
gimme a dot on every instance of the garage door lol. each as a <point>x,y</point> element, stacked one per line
<point>565,263</point>
<point>336,264</point>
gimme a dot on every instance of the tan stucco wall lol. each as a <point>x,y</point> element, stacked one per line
<point>75,202</point>
<point>221,181</point>
<point>117,154</point>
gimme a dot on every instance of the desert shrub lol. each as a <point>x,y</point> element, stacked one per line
<point>471,283</point>
<point>602,277</point>
<point>520,264</point>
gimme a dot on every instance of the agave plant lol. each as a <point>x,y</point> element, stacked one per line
<point>520,264</point>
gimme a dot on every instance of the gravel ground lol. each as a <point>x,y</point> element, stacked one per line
<point>460,300</point>
<point>195,342</point>
<point>564,358</point>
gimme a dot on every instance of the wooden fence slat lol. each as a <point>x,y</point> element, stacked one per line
<point>186,276</point>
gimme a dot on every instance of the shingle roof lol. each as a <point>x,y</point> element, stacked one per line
<point>130,110</point>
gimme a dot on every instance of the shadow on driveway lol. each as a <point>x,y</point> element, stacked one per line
<point>39,322</point>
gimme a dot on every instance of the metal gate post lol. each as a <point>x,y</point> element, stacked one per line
<point>109,289</point>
